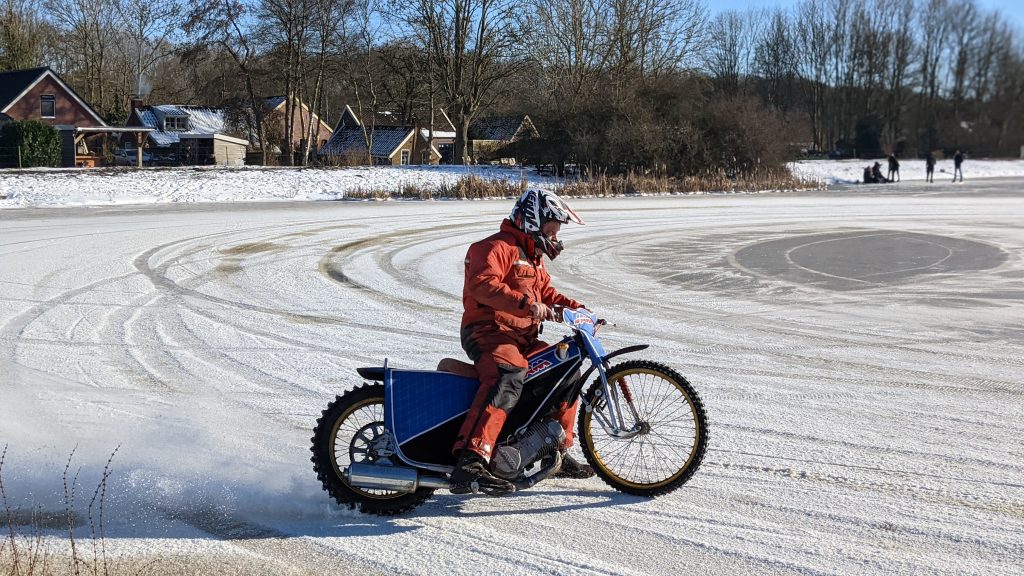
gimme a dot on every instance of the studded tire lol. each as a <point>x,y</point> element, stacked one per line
<point>668,453</point>
<point>343,434</point>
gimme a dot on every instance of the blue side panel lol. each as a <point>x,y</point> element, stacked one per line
<point>420,400</point>
<point>547,359</point>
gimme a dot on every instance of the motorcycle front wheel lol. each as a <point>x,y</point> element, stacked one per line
<point>351,430</point>
<point>670,427</point>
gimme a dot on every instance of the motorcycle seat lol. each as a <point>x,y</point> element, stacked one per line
<point>457,367</point>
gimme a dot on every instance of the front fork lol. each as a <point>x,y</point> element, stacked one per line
<point>611,414</point>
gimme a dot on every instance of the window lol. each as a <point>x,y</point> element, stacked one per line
<point>48,106</point>
<point>405,157</point>
<point>175,124</point>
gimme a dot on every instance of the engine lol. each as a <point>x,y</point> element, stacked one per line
<point>540,439</point>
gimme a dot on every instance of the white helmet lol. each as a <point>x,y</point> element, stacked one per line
<point>534,208</point>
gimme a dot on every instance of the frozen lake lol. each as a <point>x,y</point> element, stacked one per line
<point>860,352</point>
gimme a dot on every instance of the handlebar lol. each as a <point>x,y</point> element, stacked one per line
<point>560,317</point>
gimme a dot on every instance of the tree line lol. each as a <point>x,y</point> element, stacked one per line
<point>613,85</point>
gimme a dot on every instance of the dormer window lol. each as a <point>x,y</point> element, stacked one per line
<point>175,124</point>
<point>48,106</point>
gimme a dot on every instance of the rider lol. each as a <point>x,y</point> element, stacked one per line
<point>506,296</point>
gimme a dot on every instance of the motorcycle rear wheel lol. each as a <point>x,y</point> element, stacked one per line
<point>674,434</point>
<point>351,430</point>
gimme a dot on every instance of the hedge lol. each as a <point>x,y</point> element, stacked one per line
<point>39,144</point>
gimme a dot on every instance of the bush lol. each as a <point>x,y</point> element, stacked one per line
<point>39,144</point>
<point>738,136</point>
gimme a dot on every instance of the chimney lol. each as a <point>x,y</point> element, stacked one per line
<point>136,102</point>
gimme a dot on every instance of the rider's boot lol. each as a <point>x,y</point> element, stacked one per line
<point>573,469</point>
<point>471,475</point>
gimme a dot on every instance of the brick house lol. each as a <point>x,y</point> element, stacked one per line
<point>39,94</point>
<point>302,117</point>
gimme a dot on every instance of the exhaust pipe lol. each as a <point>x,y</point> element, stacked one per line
<point>396,478</point>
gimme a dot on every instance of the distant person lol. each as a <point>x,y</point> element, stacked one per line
<point>868,177</point>
<point>929,167</point>
<point>958,160</point>
<point>894,168</point>
<point>876,173</point>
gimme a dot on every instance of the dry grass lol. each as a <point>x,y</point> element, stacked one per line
<point>466,187</point>
<point>26,549</point>
<point>476,187</point>
<point>712,181</point>
<point>470,187</point>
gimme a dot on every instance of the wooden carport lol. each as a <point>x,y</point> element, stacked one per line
<point>72,136</point>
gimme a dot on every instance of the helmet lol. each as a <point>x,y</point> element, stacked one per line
<point>533,209</point>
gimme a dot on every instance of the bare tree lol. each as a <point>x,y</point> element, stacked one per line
<point>1007,102</point>
<point>724,56</point>
<point>933,23</point>
<point>285,25</point>
<point>150,28</point>
<point>22,32</point>
<point>473,44</point>
<point>226,23</point>
<point>655,36</point>
<point>570,41</point>
<point>815,32</point>
<point>776,61</point>
<point>363,70</point>
<point>328,29</point>
<point>900,37</point>
<point>963,22</point>
<point>87,43</point>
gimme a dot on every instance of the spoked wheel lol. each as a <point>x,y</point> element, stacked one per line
<point>670,430</point>
<point>351,430</point>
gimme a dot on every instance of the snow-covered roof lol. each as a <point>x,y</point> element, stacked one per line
<point>425,133</point>
<point>201,120</point>
<point>386,140</point>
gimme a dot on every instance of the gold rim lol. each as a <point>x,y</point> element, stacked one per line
<point>662,402</point>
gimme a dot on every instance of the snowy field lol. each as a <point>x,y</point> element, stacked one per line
<point>104,187</point>
<point>72,187</point>
<point>860,353</point>
<point>852,171</point>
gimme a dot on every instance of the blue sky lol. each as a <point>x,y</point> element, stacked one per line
<point>1012,9</point>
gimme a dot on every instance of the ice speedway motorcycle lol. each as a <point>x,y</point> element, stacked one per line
<point>385,446</point>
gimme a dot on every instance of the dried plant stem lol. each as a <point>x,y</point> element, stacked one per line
<point>15,568</point>
<point>69,505</point>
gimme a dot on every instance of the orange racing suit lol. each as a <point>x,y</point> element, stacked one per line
<point>504,276</point>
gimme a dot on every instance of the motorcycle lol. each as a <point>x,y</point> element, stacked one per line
<point>385,446</point>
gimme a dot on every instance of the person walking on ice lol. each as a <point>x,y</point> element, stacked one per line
<point>894,168</point>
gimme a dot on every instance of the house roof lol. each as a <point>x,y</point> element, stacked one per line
<point>201,121</point>
<point>14,85</point>
<point>377,118</point>
<point>391,118</point>
<point>386,141</point>
<point>502,128</point>
<point>275,102</point>
<point>425,134</point>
